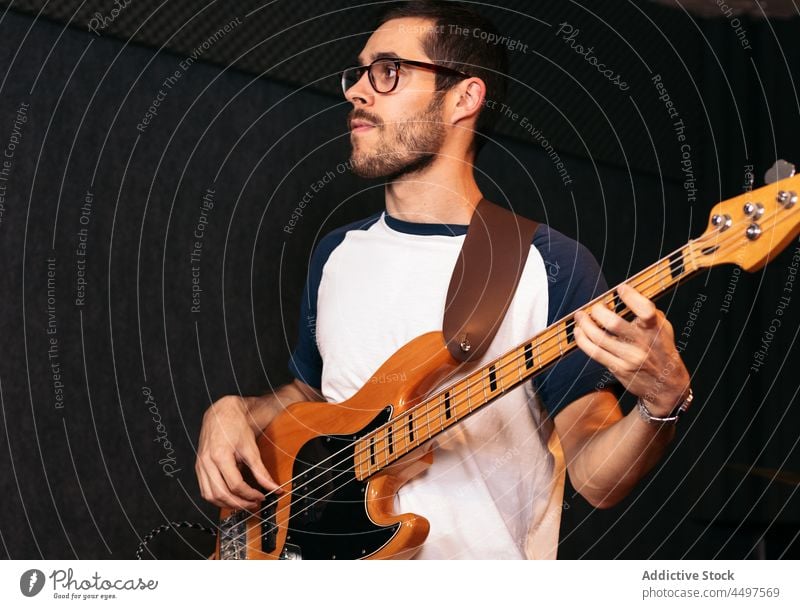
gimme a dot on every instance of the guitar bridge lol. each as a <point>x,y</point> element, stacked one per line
<point>233,537</point>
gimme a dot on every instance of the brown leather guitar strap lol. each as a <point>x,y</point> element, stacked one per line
<point>485,278</point>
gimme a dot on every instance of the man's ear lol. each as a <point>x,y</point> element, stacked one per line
<point>470,97</point>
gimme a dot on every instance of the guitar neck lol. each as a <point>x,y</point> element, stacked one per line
<point>447,407</point>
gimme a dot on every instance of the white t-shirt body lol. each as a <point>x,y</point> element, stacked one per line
<point>495,487</point>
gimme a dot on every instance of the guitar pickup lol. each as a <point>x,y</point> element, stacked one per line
<point>269,526</point>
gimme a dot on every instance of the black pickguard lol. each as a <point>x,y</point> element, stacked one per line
<point>328,517</point>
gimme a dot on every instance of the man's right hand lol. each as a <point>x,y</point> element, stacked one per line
<point>228,441</point>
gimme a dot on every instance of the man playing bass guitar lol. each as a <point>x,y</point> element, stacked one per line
<point>495,486</point>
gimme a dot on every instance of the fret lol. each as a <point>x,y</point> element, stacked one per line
<point>619,305</point>
<point>676,264</point>
<point>460,405</point>
<point>660,275</point>
<point>550,349</point>
<point>502,375</point>
<point>411,427</point>
<point>463,389</point>
<point>385,452</point>
<point>389,440</point>
<point>379,442</point>
<point>510,376</point>
<point>357,459</point>
<point>447,412</point>
<point>691,257</point>
<point>492,378</point>
<point>397,439</point>
<point>438,422</point>
<point>653,279</point>
<point>507,380</point>
<point>429,435</point>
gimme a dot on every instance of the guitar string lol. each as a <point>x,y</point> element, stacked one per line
<point>642,277</point>
<point>542,346</point>
<point>658,275</point>
<point>548,348</point>
<point>515,357</point>
<point>654,274</point>
<point>296,498</point>
<point>651,273</point>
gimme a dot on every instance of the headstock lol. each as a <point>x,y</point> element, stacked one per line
<point>753,227</point>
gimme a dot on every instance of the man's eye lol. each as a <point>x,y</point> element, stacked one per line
<point>388,71</point>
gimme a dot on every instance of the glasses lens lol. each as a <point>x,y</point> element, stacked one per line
<point>351,76</point>
<point>383,75</point>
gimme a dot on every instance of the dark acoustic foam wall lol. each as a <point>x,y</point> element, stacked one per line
<point>139,366</point>
<point>554,88</point>
<point>557,93</point>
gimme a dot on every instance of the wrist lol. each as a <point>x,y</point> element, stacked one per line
<point>260,410</point>
<point>253,409</point>
<point>660,415</point>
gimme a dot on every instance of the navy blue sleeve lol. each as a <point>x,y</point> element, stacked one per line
<point>573,278</point>
<point>305,363</point>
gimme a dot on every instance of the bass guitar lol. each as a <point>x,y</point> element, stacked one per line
<point>341,465</point>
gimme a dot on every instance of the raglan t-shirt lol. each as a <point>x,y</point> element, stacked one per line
<point>495,488</point>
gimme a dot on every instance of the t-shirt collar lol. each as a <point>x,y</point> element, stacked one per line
<point>423,228</point>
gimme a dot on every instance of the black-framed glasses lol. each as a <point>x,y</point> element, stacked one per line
<point>384,73</point>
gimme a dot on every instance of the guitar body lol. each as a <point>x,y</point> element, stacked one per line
<point>326,512</point>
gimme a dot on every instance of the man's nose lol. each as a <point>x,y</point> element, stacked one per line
<point>361,93</point>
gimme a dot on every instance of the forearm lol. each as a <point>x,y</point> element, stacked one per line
<point>615,458</point>
<point>609,458</point>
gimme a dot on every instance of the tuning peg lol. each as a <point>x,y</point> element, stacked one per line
<point>779,171</point>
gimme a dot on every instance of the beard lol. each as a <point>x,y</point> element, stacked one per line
<point>409,147</point>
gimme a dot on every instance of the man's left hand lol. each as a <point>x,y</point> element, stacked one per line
<point>641,353</point>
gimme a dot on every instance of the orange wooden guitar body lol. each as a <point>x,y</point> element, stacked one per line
<point>409,374</point>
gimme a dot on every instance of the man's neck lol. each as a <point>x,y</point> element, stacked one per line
<point>443,193</point>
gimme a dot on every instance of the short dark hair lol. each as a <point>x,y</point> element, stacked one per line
<point>458,42</point>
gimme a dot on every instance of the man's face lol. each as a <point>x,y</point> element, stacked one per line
<point>396,133</point>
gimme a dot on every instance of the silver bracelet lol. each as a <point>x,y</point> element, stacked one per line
<point>672,417</point>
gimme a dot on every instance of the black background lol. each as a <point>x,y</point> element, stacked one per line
<point>258,118</point>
